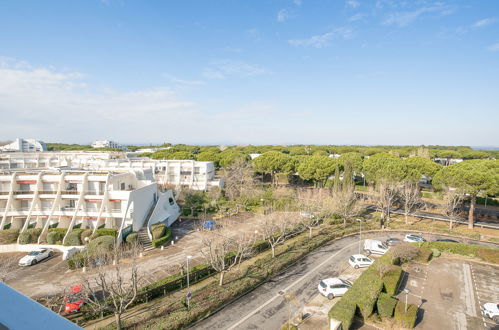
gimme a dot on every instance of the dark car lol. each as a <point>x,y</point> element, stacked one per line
<point>393,241</point>
<point>446,240</point>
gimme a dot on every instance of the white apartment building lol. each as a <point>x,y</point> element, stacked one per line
<point>107,144</point>
<point>127,200</point>
<point>24,145</point>
<point>188,173</point>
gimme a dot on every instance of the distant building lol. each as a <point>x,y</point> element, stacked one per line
<point>334,156</point>
<point>107,144</point>
<point>253,156</point>
<point>24,145</point>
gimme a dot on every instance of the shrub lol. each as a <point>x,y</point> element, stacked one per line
<point>9,236</point>
<point>158,231</point>
<point>132,237</point>
<point>101,244</point>
<point>406,320</point>
<point>84,234</point>
<point>107,232</point>
<point>489,255</point>
<point>62,231</point>
<point>436,253</point>
<point>424,255</point>
<point>386,305</point>
<point>76,261</point>
<point>288,326</point>
<point>405,252</point>
<point>392,279</point>
<point>25,238</point>
<point>73,238</point>
<point>344,312</point>
<point>54,237</point>
<point>162,240</point>
<point>35,233</point>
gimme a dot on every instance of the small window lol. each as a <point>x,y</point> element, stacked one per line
<point>122,186</point>
<point>171,201</point>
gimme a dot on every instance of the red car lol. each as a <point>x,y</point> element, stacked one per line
<point>74,300</point>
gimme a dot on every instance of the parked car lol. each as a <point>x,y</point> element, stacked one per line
<point>446,240</point>
<point>373,246</point>
<point>491,310</point>
<point>333,287</point>
<point>414,238</point>
<point>35,256</point>
<point>393,241</point>
<point>209,224</point>
<point>74,300</point>
<point>360,261</point>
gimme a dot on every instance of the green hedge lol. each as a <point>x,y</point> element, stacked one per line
<point>107,232</point>
<point>24,238</point>
<point>158,231</point>
<point>386,304</point>
<point>487,254</point>
<point>424,255</point>
<point>30,236</point>
<point>59,230</point>
<point>132,237</point>
<point>86,233</point>
<point>9,236</point>
<point>95,248</point>
<point>162,240</point>
<point>391,280</point>
<point>55,237</point>
<point>406,320</point>
<point>74,238</point>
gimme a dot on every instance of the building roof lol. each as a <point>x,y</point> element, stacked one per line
<point>21,312</point>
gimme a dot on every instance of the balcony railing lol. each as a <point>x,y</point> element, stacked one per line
<point>4,192</point>
<point>24,192</point>
<point>94,192</point>
<point>116,210</point>
<point>48,192</point>
<point>70,192</point>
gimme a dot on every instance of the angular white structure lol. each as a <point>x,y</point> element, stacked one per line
<point>107,144</point>
<point>24,145</point>
<point>127,200</point>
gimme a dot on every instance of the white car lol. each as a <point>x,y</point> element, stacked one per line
<point>34,257</point>
<point>333,287</point>
<point>372,246</point>
<point>413,238</point>
<point>491,310</point>
<point>360,261</point>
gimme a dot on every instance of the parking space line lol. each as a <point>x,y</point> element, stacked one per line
<point>485,321</point>
<point>468,288</point>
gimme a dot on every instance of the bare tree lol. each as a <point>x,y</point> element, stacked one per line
<point>276,227</point>
<point>224,252</point>
<point>411,198</point>
<point>239,179</point>
<point>7,268</point>
<point>112,286</point>
<point>345,204</point>
<point>310,203</point>
<point>385,192</point>
<point>405,252</point>
<point>452,199</point>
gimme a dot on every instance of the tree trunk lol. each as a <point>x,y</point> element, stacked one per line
<point>273,251</point>
<point>406,217</point>
<point>471,214</point>
<point>117,317</point>
<point>221,282</point>
<point>310,232</point>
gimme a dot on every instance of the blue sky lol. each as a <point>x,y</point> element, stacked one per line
<point>260,72</point>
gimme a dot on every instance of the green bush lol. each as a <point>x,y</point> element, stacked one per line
<point>59,230</point>
<point>424,255</point>
<point>162,240</point>
<point>107,232</point>
<point>344,312</point>
<point>406,320</point>
<point>74,238</point>
<point>9,236</point>
<point>25,238</point>
<point>34,233</point>
<point>101,244</point>
<point>76,261</point>
<point>158,231</point>
<point>132,237</point>
<point>436,253</point>
<point>84,234</point>
<point>288,326</point>
<point>386,305</point>
<point>392,279</point>
<point>55,237</point>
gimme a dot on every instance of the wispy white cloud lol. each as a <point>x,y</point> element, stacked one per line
<point>323,40</point>
<point>283,15</point>
<point>405,18</point>
<point>353,3</point>
<point>357,17</point>
<point>297,2</point>
<point>226,68</point>
<point>177,80</point>
<point>253,34</point>
<point>483,22</point>
<point>494,47</point>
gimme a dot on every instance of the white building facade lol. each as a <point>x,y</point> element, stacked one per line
<point>24,145</point>
<point>107,144</point>
<point>126,200</point>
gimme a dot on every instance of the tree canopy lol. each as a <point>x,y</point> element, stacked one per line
<point>384,166</point>
<point>419,166</point>
<point>317,168</point>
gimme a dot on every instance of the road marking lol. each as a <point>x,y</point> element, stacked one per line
<point>288,287</point>
<point>468,289</point>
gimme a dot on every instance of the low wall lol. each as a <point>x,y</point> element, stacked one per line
<point>67,251</point>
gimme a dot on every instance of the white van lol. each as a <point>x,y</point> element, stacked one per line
<point>373,246</point>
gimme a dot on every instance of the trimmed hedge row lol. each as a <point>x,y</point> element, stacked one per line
<point>132,237</point>
<point>9,236</point>
<point>391,280</point>
<point>73,238</point>
<point>30,236</point>
<point>386,304</point>
<point>55,237</point>
<point>160,234</point>
<point>406,320</point>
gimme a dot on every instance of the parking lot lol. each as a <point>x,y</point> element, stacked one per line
<point>450,291</point>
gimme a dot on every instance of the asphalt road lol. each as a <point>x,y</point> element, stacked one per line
<point>266,308</point>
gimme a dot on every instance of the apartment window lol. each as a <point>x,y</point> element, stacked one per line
<point>24,187</point>
<point>171,201</point>
<point>72,203</point>
<point>122,186</point>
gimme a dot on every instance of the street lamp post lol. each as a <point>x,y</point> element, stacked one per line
<point>406,291</point>
<point>188,287</point>
<point>360,232</point>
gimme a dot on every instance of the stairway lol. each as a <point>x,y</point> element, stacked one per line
<point>144,239</point>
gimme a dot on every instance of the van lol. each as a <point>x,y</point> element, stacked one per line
<point>372,246</point>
